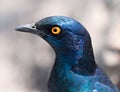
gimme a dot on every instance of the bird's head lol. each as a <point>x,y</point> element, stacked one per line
<point>64,34</point>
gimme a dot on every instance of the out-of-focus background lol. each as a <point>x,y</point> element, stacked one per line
<point>26,60</point>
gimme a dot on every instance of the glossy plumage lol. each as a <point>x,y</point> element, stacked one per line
<point>74,69</point>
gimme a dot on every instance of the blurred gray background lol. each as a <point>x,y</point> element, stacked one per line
<point>26,60</point>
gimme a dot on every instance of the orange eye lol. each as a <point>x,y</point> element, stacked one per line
<point>56,30</point>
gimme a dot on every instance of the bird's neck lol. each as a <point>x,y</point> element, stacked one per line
<point>63,65</point>
<point>66,61</point>
<point>83,57</point>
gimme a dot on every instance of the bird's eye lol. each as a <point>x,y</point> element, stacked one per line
<point>56,30</point>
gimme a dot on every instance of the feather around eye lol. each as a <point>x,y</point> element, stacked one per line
<point>56,30</point>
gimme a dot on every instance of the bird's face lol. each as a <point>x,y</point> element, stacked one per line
<point>62,33</point>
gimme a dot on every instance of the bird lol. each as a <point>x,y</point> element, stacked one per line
<point>74,69</point>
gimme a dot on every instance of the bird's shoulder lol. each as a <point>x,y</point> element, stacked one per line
<point>99,81</point>
<point>103,82</point>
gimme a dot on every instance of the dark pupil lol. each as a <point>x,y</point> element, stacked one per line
<point>55,30</point>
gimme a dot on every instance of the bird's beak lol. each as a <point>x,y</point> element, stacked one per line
<point>27,28</point>
<point>31,28</point>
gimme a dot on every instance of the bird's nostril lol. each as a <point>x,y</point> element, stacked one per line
<point>33,26</point>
